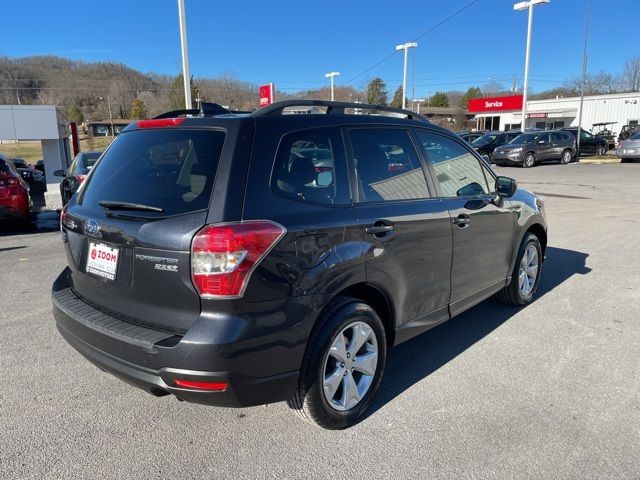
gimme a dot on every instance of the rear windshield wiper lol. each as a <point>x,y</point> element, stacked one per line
<point>115,205</point>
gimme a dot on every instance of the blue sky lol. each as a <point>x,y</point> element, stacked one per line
<point>294,43</point>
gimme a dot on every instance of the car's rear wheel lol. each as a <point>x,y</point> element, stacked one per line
<point>342,366</point>
<point>525,277</point>
<point>529,160</point>
<point>566,157</point>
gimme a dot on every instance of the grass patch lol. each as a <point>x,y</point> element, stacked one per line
<point>32,151</point>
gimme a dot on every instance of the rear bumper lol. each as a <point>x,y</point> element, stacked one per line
<point>14,208</point>
<point>153,360</point>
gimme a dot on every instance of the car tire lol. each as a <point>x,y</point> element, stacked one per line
<point>529,160</point>
<point>601,150</point>
<point>566,158</point>
<point>317,399</point>
<point>518,293</point>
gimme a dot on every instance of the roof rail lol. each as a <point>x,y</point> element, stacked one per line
<point>277,108</point>
<point>206,110</point>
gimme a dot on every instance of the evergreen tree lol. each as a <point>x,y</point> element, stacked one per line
<point>138,110</point>
<point>397,98</point>
<point>75,114</point>
<point>176,93</point>
<point>439,99</point>
<point>473,92</point>
<point>377,92</point>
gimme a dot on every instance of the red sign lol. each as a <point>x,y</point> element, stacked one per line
<point>537,115</point>
<point>495,104</point>
<point>266,94</point>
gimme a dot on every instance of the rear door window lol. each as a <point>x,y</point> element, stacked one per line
<point>310,166</point>
<point>172,169</point>
<point>387,166</point>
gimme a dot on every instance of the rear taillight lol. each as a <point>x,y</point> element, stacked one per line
<point>161,122</point>
<point>63,217</point>
<point>224,256</point>
<point>8,181</point>
<point>80,178</point>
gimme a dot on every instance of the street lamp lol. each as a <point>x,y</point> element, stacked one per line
<point>113,133</point>
<point>186,78</point>
<point>406,48</point>
<point>331,75</point>
<point>528,5</point>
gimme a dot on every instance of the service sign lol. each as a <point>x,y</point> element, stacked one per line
<point>495,104</point>
<point>266,94</point>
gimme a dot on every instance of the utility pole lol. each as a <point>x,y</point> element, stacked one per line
<point>113,132</point>
<point>406,48</point>
<point>186,77</point>
<point>584,80</point>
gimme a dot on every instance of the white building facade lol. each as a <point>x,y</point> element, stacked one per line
<point>620,109</point>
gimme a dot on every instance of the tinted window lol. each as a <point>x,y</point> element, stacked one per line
<point>310,166</point>
<point>387,166</point>
<point>458,172</point>
<point>585,135</point>
<point>484,139</point>
<point>524,138</point>
<point>172,169</point>
<point>635,136</point>
<point>4,167</point>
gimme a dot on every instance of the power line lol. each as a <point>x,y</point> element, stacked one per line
<point>446,19</point>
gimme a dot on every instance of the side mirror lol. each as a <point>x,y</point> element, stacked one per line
<point>324,179</point>
<point>58,173</point>
<point>506,187</point>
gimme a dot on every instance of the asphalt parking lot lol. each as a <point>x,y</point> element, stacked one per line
<point>549,391</point>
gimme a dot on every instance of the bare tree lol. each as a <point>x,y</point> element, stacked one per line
<point>630,80</point>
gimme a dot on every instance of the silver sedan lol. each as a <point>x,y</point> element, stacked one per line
<point>629,150</point>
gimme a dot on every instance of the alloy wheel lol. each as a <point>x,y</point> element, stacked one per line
<point>350,366</point>
<point>529,160</point>
<point>566,157</point>
<point>528,272</point>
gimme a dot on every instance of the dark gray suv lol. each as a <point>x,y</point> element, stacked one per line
<point>235,260</point>
<point>530,148</point>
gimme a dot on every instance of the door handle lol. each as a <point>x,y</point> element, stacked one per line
<point>462,220</point>
<point>378,229</point>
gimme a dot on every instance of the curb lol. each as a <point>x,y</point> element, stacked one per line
<point>599,161</point>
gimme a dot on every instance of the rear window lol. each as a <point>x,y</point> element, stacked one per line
<point>172,169</point>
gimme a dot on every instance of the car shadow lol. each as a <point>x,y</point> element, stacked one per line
<point>428,352</point>
<point>40,222</point>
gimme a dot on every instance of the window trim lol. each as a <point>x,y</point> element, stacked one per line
<point>485,168</point>
<point>337,130</point>
<point>352,167</point>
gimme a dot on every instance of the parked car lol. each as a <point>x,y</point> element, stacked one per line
<point>629,149</point>
<point>23,168</point>
<point>76,173</point>
<point>40,166</point>
<point>627,131</point>
<point>487,143</point>
<point>470,136</point>
<point>605,130</point>
<point>209,260</point>
<point>589,144</point>
<point>531,148</point>
<point>15,201</point>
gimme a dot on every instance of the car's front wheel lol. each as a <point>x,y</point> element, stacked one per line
<point>526,273</point>
<point>529,160</point>
<point>601,150</point>
<point>342,366</point>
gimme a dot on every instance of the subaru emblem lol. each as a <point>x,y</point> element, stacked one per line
<point>91,227</point>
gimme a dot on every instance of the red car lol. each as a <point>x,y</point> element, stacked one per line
<point>15,200</point>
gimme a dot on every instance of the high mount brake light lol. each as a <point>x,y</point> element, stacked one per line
<point>223,256</point>
<point>161,122</point>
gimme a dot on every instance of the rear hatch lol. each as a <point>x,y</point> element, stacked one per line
<point>129,228</point>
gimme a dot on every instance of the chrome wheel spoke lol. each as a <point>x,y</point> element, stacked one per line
<point>350,393</point>
<point>332,382</point>
<point>528,272</point>
<point>360,335</point>
<point>366,363</point>
<point>339,348</point>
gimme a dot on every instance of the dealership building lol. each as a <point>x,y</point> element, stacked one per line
<point>505,113</point>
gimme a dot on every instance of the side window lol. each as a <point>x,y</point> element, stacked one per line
<point>458,172</point>
<point>387,166</point>
<point>310,166</point>
<point>585,135</point>
<point>545,137</point>
<point>501,139</point>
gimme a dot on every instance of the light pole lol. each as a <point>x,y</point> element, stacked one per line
<point>405,47</point>
<point>331,76</point>
<point>527,5</point>
<point>186,78</point>
<point>113,133</point>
